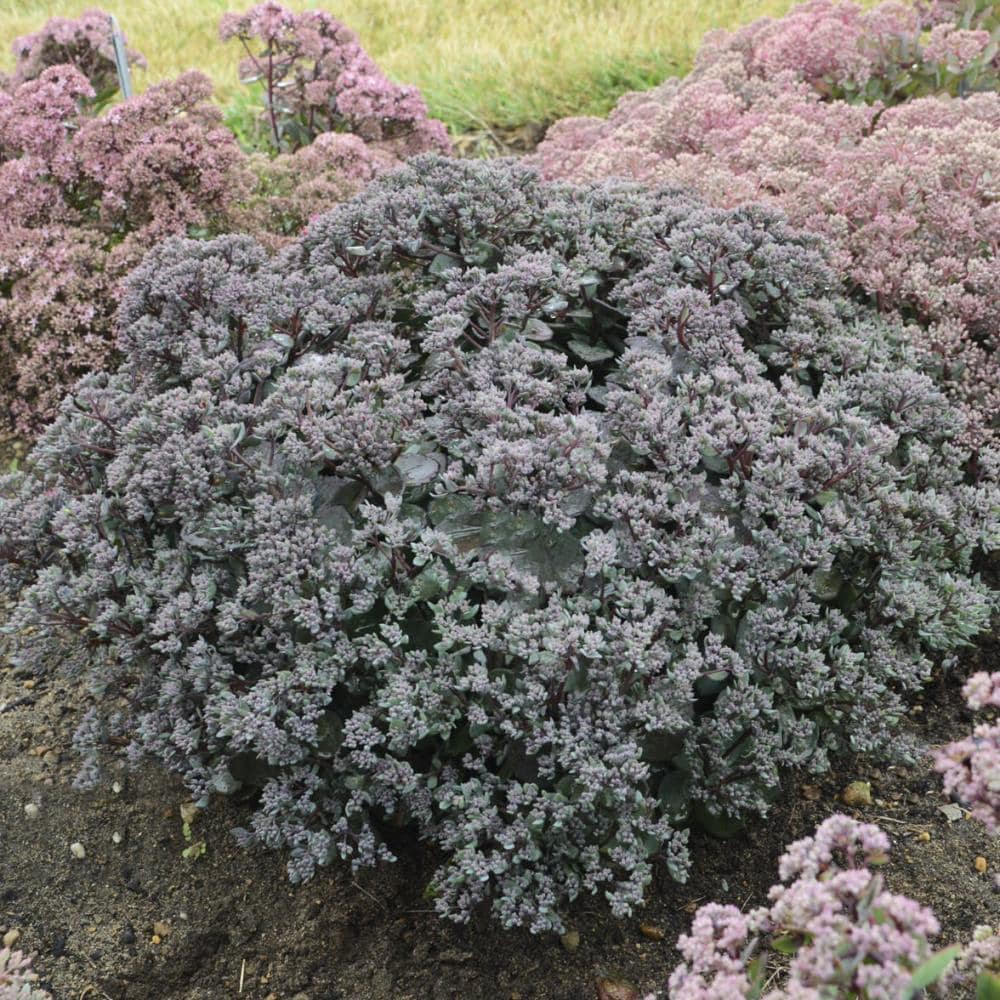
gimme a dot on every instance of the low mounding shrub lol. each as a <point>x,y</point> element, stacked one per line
<point>16,978</point>
<point>971,767</point>
<point>316,78</point>
<point>542,518</point>
<point>846,935</point>
<point>84,196</point>
<point>907,196</point>
<point>84,42</point>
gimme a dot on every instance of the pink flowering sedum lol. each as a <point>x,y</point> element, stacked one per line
<point>906,196</point>
<point>83,196</point>
<point>845,934</point>
<point>317,78</point>
<point>83,42</point>
<point>971,767</point>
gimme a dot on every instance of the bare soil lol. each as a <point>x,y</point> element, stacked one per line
<point>236,928</point>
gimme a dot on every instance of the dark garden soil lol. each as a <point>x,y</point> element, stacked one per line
<point>229,917</point>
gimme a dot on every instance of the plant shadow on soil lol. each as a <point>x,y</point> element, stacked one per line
<point>232,916</point>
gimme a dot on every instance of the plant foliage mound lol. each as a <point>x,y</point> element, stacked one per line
<point>544,519</point>
<point>860,128</point>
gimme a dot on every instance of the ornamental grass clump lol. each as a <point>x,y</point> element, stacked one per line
<point>541,519</point>
<point>831,930</point>
<point>905,193</point>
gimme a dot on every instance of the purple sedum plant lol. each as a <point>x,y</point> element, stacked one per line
<point>317,78</point>
<point>544,519</point>
<point>843,933</point>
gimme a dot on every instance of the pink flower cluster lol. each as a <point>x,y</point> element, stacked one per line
<point>843,50</point>
<point>17,981</point>
<point>317,78</point>
<point>83,196</point>
<point>83,42</point>
<point>971,767</point>
<point>846,935</point>
<point>906,195</point>
<point>82,200</point>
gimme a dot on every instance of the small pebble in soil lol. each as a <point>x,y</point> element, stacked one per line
<point>924,836</point>
<point>857,793</point>
<point>155,939</point>
<point>571,941</point>
<point>127,936</point>
<point>31,810</point>
<point>59,945</point>
<point>161,928</point>
<point>614,989</point>
<point>78,850</point>
<point>651,931</point>
<point>116,787</point>
<point>11,937</point>
<point>981,865</point>
<point>116,837</point>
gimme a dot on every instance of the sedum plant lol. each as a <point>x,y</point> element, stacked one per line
<point>84,193</point>
<point>971,767</point>
<point>83,42</point>
<point>841,933</point>
<point>17,981</point>
<point>545,519</point>
<point>83,197</point>
<point>315,77</point>
<point>905,195</point>
<point>888,54</point>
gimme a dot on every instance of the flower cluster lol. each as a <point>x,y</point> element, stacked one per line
<point>317,78</point>
<point>542,518</point>
<point>845,934</point>
<point>83,198</point>
<point>83,195</point>
<point>17,981</point>
<point>907,196</point>
<point>890,53</point>
<point>971,767</point>
<point>83,42</point>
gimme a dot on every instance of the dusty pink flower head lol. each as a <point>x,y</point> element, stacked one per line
<point>958,47</point>
<point>83,42</point>
<point>317,78</point>
<point>846,934</point>
<point>970,768</point>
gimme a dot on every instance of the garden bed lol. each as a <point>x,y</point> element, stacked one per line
<point>374,936</point>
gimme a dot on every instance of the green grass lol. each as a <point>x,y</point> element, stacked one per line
<point>479,63</point>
